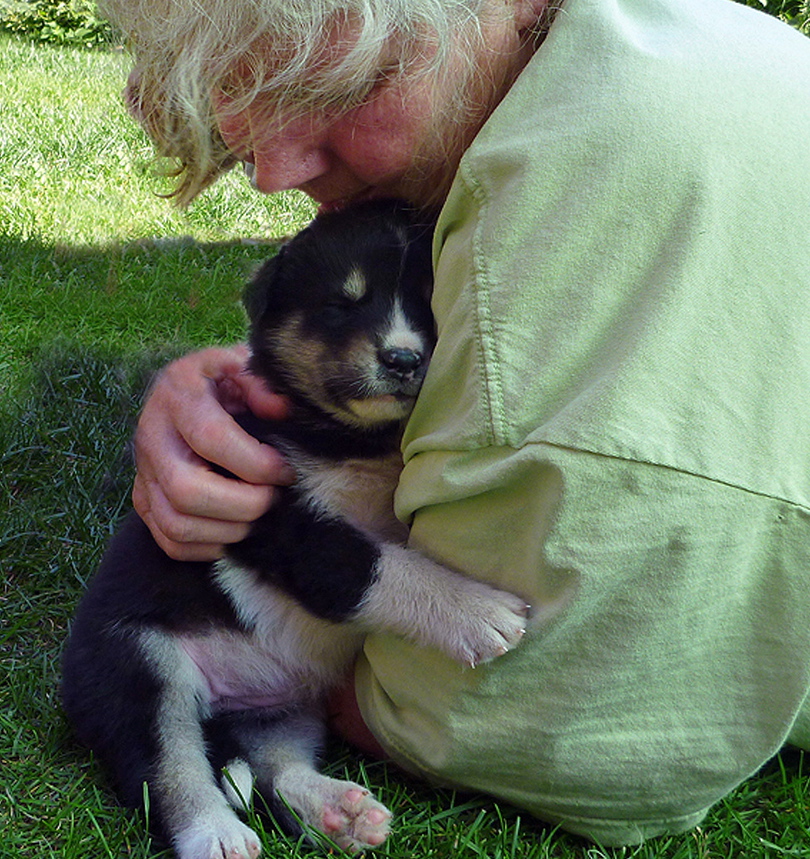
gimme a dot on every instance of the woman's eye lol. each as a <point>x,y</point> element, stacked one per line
<point>362,93</point>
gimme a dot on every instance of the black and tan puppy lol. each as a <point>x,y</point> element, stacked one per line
<point>174,670</point>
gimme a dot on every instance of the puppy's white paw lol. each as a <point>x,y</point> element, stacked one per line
<point>237,783</point>
<point>469,620</point>
<point>342,810</point>
<point>486,624</point>
<point>353,819</point>
<point>220,835</point>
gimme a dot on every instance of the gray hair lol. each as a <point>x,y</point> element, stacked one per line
<point>184,49</point>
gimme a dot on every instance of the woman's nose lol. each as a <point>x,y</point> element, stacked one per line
<point>281,159</point>
<point>288,162</point>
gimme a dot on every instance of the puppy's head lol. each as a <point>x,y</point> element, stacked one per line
<point>341,320</point>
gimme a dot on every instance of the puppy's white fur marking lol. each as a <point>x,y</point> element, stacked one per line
<point>362,491</point>
<point>237,783</point>
<point>400,334</point>
<point>219,835</point>
<point>288,656</point>
<point>355,285</point>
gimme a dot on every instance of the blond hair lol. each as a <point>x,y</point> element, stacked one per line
<point>185,49</point>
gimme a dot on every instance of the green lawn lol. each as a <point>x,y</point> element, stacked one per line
<point>100,281</point>
<point>87,248</point>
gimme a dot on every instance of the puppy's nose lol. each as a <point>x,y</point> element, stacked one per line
<point>400,363</point>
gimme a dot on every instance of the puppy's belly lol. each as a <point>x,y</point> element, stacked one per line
<point>239,676</point>
<point>240,672</point>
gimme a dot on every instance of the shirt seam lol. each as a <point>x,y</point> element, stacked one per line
<point>729,484</point>
<point>488,357</point>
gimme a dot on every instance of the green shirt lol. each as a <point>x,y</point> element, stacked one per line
<point>616,424</point>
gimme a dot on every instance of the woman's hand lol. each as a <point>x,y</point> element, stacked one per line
<point>186,424</point>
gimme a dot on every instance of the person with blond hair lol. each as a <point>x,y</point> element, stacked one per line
<point>616,421</point>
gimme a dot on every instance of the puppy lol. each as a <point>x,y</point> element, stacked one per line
<point>176,670</point>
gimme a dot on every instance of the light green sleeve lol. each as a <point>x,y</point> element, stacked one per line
<point>615,424</point>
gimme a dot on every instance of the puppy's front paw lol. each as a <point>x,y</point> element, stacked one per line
<point>220,835</point>
<point>469,620</point>
<point>486,624</point>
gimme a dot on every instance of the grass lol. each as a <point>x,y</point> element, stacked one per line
<point>100,281</point>
<point>86,246</point>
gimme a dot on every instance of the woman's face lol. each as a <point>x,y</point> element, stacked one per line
<point>404,140</point>
<point>372,150</point>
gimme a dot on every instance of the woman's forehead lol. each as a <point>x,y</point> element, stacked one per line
<point>334,69</point>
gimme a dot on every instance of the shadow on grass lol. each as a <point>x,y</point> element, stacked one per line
<point>142,295</point>
<point>65,472</point>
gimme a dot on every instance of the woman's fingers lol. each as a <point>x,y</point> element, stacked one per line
<point>186,424</point>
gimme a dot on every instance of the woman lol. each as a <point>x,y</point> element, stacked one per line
<point>615,422</point>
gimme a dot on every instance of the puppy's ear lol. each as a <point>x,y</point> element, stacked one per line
<point>257,291</point>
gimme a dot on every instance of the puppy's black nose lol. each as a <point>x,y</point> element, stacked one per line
<point>400,363</point>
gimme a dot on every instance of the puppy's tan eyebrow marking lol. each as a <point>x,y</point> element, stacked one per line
<point>355,285</point>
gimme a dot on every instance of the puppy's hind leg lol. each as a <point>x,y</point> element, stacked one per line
<point>193,809</point>
<point>282,755</point>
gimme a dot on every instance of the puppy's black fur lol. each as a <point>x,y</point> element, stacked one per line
<point>175,669</point>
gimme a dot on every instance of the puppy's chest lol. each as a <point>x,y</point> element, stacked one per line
<point>284,653</point>
<point>361,491</point>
